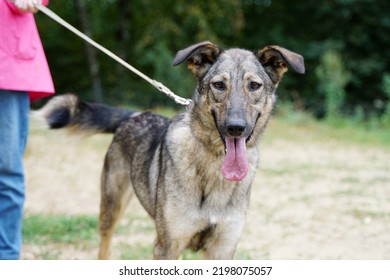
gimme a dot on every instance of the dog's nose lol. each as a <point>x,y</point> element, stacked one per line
<point>235,128</point>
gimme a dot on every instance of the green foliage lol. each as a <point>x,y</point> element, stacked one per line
<point>386,84</point>
<point>148,33</point>
<point>40,229</point>
<point>332,81</point>
<point>386,88</point>
<point>287,113</point>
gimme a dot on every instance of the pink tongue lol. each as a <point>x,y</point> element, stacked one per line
<point>235,164</point>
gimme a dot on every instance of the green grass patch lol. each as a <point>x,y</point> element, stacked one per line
<point>140,251</point>
<point>166,111</point>
<point>39,229</point>
<point>188,254</point>
<point>137,251</point>
<point>300,126</point>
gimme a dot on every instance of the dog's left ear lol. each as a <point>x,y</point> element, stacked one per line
<point>275,60</point>
<point>200,57</point>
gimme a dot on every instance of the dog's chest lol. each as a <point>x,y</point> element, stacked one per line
<point>198,185</point>
<point>208,196</point>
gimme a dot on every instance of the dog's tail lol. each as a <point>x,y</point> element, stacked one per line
<point>68,111</point>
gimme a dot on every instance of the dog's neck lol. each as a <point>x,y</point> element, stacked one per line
<point>205,132</point>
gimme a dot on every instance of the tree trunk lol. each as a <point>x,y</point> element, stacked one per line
<point>124,19</point>
<point>91,52</point>
<point>124,26</point>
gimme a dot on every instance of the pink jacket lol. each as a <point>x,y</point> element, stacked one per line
<point>23,65</point>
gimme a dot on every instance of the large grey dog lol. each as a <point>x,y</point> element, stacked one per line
<point>193,173</point>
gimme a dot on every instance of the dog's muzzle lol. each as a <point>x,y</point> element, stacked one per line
<point>235,164</point>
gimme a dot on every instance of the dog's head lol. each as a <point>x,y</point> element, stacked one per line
<point>234,97</point>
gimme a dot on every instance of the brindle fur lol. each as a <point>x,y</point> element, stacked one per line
<point>174,166</point>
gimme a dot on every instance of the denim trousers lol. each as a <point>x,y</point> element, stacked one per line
<point>14,121</point>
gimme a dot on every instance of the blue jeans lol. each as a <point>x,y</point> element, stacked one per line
<point>14,121</point>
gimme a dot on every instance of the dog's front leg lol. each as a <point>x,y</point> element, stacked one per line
<point>222,245</point>
<point>169,249</point>
<point>169,243</point>
<point>173,235</point>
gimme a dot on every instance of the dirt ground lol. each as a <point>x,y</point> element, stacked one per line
<point>315,196</point>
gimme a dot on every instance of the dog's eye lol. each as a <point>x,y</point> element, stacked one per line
<point>255,86</point>
<point>219,85</point>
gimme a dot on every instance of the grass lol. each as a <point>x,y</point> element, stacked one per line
<point>41,229</point>
<point>137,251</point>
<point>340,129</point>
<point>82,231</point>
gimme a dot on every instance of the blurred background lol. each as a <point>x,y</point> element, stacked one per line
<point>345,44</point>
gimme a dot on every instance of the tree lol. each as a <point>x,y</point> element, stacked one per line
<point>90,51</point>
<point>147,34</point>
<point>332,80</point>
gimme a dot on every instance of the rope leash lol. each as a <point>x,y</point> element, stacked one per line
<point>156,84</point>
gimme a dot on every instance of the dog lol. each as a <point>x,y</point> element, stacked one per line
<point>193,173</point>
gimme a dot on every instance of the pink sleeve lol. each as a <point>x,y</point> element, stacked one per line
<point>15,10</point>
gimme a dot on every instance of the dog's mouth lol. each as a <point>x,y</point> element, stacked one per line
<point>235,164</point>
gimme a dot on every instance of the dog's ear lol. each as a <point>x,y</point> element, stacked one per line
<point>200,57</point>
<point>275,60</point>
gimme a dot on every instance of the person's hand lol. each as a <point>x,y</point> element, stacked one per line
<point>28,5</point>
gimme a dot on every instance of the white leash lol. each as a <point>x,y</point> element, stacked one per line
<point>156,84</point>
